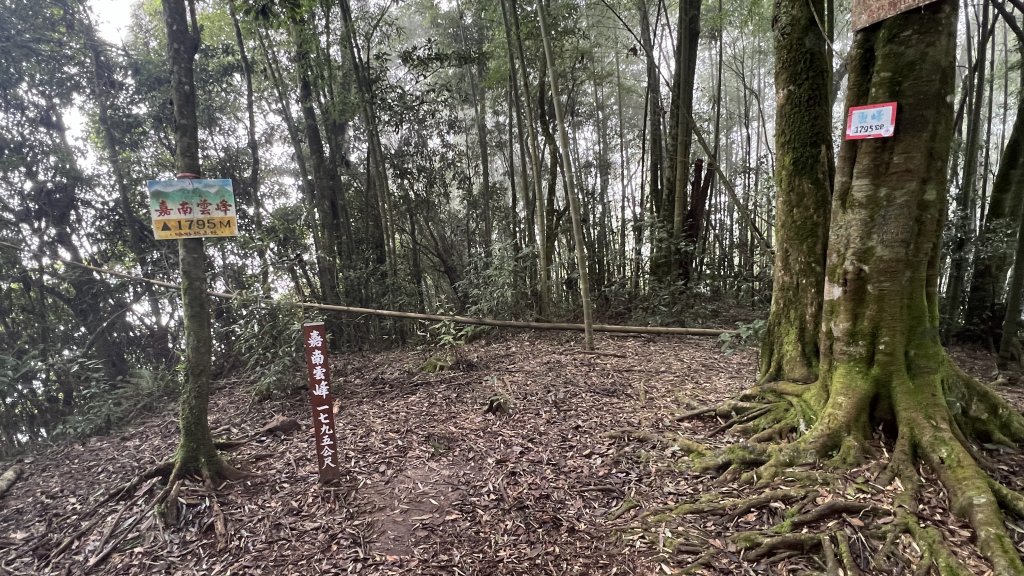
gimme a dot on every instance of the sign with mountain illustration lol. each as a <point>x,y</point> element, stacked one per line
<point>868,12</point>
<point>192,208</point>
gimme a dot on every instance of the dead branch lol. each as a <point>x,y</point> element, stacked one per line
<point>741,419</point>
<point>98,559</point>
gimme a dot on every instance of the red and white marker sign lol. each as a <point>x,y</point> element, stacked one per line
<point>871,121</point>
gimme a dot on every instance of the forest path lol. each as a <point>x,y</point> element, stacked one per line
<point>432,484</point>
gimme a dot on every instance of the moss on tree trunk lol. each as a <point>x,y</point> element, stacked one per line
<point>803,178</point>
<point>882,365</point>
<point>196,455</point>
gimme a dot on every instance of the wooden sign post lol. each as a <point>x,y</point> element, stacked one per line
<point>318,370</point>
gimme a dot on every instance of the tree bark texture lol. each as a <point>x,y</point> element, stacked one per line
<point>963,223</point>
<point>1001,223</point>
<point>882,363</point>
<point>682,112</point>
<point>196,453</point>
<point>803,180</point>
<point>324,197</point>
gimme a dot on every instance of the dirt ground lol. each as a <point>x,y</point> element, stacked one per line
<point>434,485</point>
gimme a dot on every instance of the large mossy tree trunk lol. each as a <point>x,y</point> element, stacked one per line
<point>882,364</point>
<point>803,179</point>
<point>196,455</point>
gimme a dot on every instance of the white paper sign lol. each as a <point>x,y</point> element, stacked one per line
<point>871,121</point>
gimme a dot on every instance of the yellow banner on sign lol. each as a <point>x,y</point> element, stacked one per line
<point>174,228</point>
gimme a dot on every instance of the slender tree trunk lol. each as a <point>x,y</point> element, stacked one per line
<point>511,11</point>
<point>133,226</point>
<point>700,187</point>
<point>254,149</point>
<point>574,204</point>
<point>1001,222</point>
<point>682,110</point>
<point>526,184</point>
<point>966,200</point>
<point>657,190</point>
<point>414,254</point>
<point>196,453</point>
<point>323,180</point>
<point>624,172</point>
<point>1009,344</point>
<point>377,166</point>
<point>480,108</point>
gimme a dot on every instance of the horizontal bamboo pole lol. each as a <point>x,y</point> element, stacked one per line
<point>665,330</point>
<point>563,326</point>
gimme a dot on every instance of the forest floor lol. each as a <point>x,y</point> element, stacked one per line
<point>433,485</point>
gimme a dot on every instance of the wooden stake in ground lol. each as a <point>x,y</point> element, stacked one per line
<point>318,369</point>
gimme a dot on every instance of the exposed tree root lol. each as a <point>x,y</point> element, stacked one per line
<point>830,509</point>
<point>735,508</point>
<point>134,486</point>
<point>936,418</point>
<point>849,564</point>
<point>829,552</point>
<point>759,546</point>
<point>626,505</point>
<point>935,553</point>
<point>1010,500</point>
<point>210,467</point>
<point>687,446</point>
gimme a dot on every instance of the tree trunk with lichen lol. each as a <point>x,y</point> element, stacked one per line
<point>196,455</point>
<point>803,178</point>
<point>882,364</point>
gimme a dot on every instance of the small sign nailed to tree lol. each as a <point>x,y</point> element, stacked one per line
<point>868,12</point>
<point>871,121</point>
<point>314,342</point>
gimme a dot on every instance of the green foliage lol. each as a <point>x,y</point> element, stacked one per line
<point>450,337</point>
<point>102,407</point>
<point>746,334</point>
<point>497,289</point>
<point>268,341</point>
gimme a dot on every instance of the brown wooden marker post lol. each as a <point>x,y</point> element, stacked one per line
<point>318,370</point>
